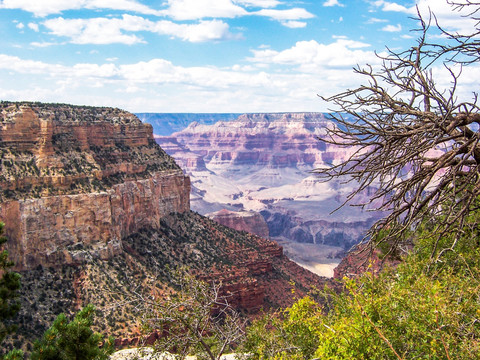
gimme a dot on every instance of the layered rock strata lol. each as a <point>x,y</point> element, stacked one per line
<point>248,221</point>
<point>47,230</point>
<point>51,149</point>
<point>96,212</point>
<point>75,176</point>
<point>263,163</point>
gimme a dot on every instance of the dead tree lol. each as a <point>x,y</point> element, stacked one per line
<point>197,319</point>
<point>415,143</point>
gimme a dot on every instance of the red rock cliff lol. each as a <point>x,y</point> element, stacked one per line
<point>80,175</point>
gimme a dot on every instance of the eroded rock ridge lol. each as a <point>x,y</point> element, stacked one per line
<point>75,175</point>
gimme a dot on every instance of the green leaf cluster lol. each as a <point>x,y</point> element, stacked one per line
<point>73,340</point>
<point>291,334</point>
<point>428,307</point>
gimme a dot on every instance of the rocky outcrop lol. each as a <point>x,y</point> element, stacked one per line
<point>364,258</point>
<point>79,176</point>
<point>47,230</point>
<point>52,149</point>
<point>337,233</point>
<point>242,221</point>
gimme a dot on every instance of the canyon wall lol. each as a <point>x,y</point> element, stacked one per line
<point>46,230</point>
<point>92,205</point>
<point>263,163</point>
<point>248,221</point>
<point>78,176</point>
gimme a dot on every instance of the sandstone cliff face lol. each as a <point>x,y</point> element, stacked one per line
<point>242,221</point>
<point>78,176</point>
<point>49,149</point>
<point>47,230</point>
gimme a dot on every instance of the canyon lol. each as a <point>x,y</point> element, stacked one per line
<point>96,212</point>
<point>264,164</point>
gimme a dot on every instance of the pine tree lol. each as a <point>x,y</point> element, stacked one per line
<point>74,340</point>
<point>9,285</point>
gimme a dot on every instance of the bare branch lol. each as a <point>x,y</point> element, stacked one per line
<point>415,144</point>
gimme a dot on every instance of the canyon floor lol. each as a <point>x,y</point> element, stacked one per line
<point>319,259</point>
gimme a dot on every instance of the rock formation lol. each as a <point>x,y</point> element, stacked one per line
<point>74,175</point>
<point>262,163</point>
<point>167,123</point>
<point>251,222</point>
<point>96,212</point>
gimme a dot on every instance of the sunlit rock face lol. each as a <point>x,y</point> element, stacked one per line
<point>264,163</point>
<point>75,175</point>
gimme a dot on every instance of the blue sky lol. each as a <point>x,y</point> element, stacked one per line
<point>199,55</point>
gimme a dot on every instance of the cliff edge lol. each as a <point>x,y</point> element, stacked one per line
<point>72,175</point>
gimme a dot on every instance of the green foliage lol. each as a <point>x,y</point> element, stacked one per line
<point>14,355</point>
<point>9,285</point>
<point>73,340</point>
<point>426,308</point>
<point>292,335</point>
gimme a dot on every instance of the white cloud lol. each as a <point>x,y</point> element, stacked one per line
<point>311,56</point>
<point>33,27</point>
<point>212,30</point>
<point>208,88</point>
<point>22,66</point>
<point>392,28</point>
<point>95,70</point>
<point>97,30</point>
<point>449,18</point>
<point>114,30</point>
<point>43,8</point>
<point>332,3</point>
<point>375,21</point>
<point>200,9</point>
<point>19,25</point>
<point>294,24</point>
<point>43,44</point>
<point>391,6</point>
<point>259,3</point>
<point>288,14</point>
<point>160,85</point>
<point>125,5</point>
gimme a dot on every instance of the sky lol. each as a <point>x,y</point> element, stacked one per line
<point>202,55</point>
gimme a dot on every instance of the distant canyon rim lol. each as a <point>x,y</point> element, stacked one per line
<point>242,165</point>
